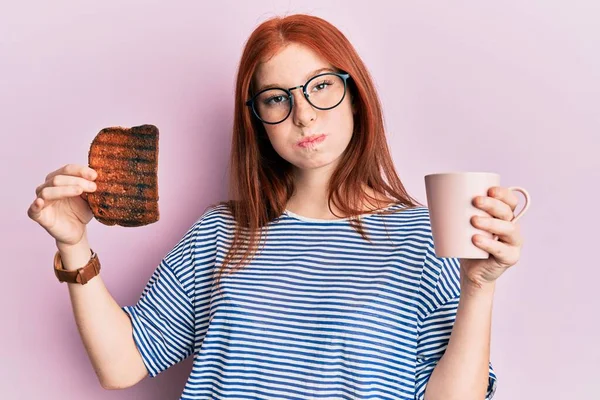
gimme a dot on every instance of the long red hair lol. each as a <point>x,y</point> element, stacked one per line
<point>261,182</point>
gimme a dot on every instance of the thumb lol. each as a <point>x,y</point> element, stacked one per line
<point>35,210</point>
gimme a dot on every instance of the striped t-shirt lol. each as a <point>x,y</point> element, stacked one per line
<point>319,313</point>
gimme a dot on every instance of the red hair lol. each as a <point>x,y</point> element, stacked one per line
<point>261,181</point>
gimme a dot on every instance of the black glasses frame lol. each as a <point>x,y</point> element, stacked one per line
<point>344,76</point>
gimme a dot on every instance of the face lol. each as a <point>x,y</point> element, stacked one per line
<point>291,67</point>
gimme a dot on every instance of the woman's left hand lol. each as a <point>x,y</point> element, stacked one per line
<point>500,203</point>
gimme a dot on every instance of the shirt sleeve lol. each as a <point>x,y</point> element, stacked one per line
<point>163,318</point>
<point>440,294</point>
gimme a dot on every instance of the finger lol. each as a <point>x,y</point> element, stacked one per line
<point>508,232</point>
<point>35,209</point>
<point>505,254</point>
<point>60,192</point>
<point>74,170</point>
<point>66,180</point>
<point>505,195</point>
<point>494,207</point>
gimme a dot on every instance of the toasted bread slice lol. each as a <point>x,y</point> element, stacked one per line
<point>126,160</point>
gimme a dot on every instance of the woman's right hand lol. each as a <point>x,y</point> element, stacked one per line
<point>61,207</point>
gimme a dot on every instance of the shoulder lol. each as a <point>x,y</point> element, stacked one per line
<point>412,228</point>
<point>214,219</point>
<point>199,241</point>
<point>214,216</point>
<point>413,221</point>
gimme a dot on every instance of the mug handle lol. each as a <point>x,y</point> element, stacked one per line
<point>525,207</point>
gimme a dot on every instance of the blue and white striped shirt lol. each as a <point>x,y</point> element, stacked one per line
<point>319,313</point>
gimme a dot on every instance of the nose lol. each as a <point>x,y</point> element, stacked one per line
<point>303,113</point>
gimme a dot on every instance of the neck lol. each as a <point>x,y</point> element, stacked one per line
<point>310,197</point>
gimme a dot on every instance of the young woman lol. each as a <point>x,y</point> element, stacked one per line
<point>318,279</point>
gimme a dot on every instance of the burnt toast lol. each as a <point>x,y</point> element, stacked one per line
<point>126,160</point>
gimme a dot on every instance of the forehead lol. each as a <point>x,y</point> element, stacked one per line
<point>291,66</point>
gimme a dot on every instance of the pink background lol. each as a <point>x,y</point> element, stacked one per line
<point>510,87</point>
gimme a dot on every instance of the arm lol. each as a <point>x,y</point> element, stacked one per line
<point>463,369</point>
<point>105,329</point>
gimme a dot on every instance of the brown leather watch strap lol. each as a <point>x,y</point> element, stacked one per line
<point>81,275</point>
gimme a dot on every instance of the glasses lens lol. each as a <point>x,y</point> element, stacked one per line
<point>325,91</point>
<point>272,105</point>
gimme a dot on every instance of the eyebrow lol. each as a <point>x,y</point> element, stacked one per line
<point>309,75</point>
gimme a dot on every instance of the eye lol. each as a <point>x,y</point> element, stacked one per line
<point>274,100</point>
<point>322,85</point>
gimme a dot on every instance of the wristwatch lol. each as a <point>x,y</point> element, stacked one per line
<point>81,275</point>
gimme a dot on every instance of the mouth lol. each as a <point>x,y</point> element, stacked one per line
<point>312,140</point>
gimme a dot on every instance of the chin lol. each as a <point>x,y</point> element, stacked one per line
<point>322,160</point>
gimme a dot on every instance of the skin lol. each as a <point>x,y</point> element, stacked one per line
<point>462,372</point>
<point>312,166</point>
<point>106,331</point>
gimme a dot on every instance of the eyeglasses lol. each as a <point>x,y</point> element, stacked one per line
<point>324,92</point>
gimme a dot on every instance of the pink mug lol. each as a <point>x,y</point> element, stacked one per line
<point>450,202</point>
